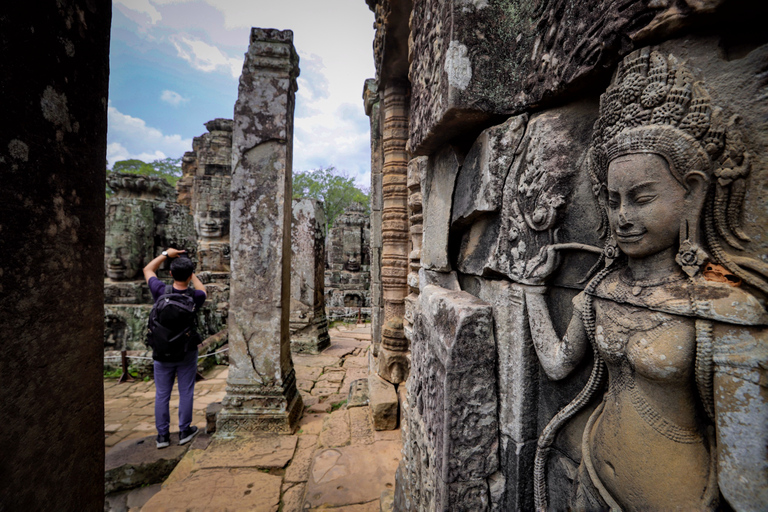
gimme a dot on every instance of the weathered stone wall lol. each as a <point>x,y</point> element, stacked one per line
<point>309,325</point>
<point>372,103</point>
<point>52,152</point>
<point>505,96</point>
<point>261,386</point>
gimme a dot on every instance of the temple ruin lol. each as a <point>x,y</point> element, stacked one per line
<point>514,137</point>
<point>568,251</point>
<point>347,274</point>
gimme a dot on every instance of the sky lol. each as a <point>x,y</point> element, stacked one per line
<point>175,64</point>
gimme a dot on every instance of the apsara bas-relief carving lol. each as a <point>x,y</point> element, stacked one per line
<point>674,318</point>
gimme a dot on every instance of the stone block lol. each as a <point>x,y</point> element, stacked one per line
<point>351,474</point>
<point>472,61</point>
<point>477,245</point>
<point>220,489</point>
<point>335,430</point>
<point>544,192</point>
<point>360,426</point>
<point>298,469</point>
<point>437,185</point>
<point>452,417</point>
<point>136,462</point>
<point>518,365</point>
<point>447,280</point>
<point>358,393</point>
<point>210,417</point>
<point>262,451</point>
<point>484,171</point>
<point>383,403</point>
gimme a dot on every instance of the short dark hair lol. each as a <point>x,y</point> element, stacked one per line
<point>181,268</point>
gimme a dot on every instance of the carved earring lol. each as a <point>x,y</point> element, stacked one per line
<point>691,257</point>
<point>611,250</point>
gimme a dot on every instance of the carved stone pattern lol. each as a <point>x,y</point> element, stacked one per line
<point>394,261</point>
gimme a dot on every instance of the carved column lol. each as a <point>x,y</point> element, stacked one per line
<point>371,100</point>
<point>416,169</point>
<point>261,387</point>
<point>392,360</point>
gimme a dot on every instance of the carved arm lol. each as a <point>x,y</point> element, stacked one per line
<point>558,356</point>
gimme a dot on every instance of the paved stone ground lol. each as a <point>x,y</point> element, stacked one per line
<point>335,461</point>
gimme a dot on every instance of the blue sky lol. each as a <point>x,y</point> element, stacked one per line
<point>175,64</point>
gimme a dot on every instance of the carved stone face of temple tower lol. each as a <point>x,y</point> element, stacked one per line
<point>211,196</point>
<point>128,244</point>
<point>348,249</point>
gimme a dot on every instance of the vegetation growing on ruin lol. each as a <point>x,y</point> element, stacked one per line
<point>331,186</point>
<point>168,168</point>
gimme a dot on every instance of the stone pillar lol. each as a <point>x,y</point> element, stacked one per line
<point>371,100</point>
<point>54,83</point>
<point>392,360</point>
<point>309,325</point>
<point>416,171</point>
<point>261,387</point>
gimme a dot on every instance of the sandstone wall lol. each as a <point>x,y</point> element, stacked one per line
<point>503,100</point>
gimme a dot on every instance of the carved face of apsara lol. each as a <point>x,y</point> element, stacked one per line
<point>645,204</point>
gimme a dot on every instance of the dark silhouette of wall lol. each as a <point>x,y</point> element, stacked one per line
<point>54,77</point>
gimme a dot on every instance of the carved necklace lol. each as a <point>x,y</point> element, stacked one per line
<point>637,285</point>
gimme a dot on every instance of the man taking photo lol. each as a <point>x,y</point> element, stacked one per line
<point>174,339</point>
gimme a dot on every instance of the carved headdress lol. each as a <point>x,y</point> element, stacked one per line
<point>654,105</point>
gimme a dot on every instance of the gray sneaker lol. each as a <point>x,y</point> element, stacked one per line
<point>163,441</point>
<point>187,435</point>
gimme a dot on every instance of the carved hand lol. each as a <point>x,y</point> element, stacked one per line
<point>548,261</point>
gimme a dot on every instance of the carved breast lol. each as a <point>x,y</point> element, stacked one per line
<point>657,346</point>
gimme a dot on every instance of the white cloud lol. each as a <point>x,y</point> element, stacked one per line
<point>130,137</point>
<point>173,98</point>
<point>143,7</point>
<point>204,56</point>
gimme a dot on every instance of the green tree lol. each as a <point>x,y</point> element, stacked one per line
<point>333,187</point>
<point>168,168</point>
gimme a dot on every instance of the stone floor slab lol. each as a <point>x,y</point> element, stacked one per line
<point>263,451</point>
<point>298,469</point>
<point>352,474</point>
<point>360,426</point>
<point>138,462</point>
<point>228,489</point>
<point>335,429</point>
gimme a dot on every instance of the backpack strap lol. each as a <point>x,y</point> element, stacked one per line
<point>168,289</point>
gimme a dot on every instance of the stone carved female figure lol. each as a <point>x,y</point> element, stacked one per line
<point>684,416</point>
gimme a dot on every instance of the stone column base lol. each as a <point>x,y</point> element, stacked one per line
<point>255,408</point>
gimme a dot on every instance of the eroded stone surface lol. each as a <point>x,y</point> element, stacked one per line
<point>452,418</point>
<point>261,387</point>
<point>309,325</point>
<point>264,451</point>
<point>138,462</point>
<point>351,474</point>
<point>218,489</point>
<point>437,191</point>
<point>383,403</point>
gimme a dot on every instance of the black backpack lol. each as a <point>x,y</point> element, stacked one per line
<point>171,330</point>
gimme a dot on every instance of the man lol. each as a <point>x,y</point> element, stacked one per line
<point>182,271</point>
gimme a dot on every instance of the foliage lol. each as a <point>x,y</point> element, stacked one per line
<point>168,168</point>
<point>333,187</point>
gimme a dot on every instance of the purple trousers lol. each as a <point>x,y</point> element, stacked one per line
<point>185,370</point>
